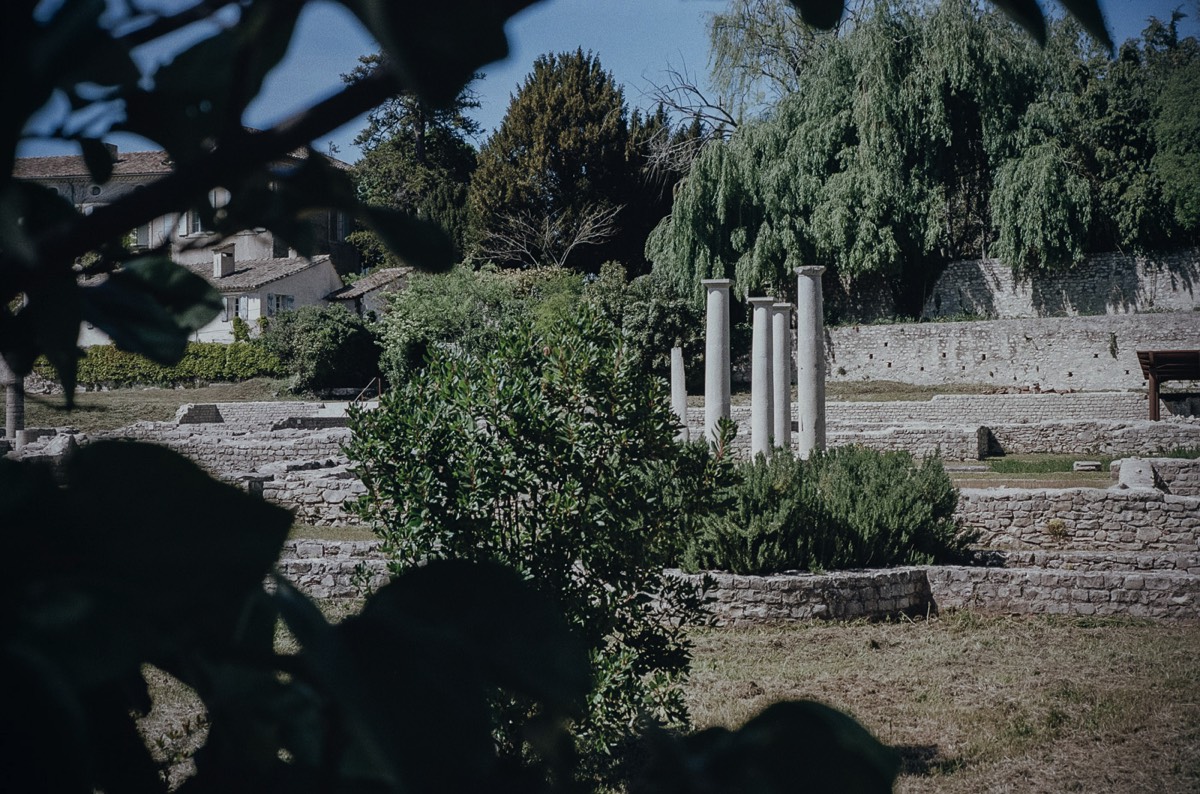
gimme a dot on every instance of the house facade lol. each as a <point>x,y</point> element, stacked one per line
<point>257,273</point>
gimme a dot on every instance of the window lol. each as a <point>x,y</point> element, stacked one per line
<point>279,303</point>
<point>141,236</point>
<point>279,247</point>
<point>95,190</point>
<point>237,306</point>
<point>337,226</point>
<point>196,224</point>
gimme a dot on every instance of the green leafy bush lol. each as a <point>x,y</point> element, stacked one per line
<point>555,456</point>
<point>323,347</point>
<point>106,365</point>
<point>849,507</point>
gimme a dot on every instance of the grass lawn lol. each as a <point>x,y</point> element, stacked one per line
<point>973,704</point>
<point>108,410</point>
<point>982,704</point>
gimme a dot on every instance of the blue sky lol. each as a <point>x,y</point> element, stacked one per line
<point>638,40</point>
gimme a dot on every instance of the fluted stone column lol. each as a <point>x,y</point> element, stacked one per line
<point>762,386</point>
<point>716,356</point>
<point>679,392</point>
<point>781,370</point>
<point>810,360</point>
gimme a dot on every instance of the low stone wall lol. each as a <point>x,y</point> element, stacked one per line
<point>1178,476</point>
<point>224,450</point>
<point>1162,561</point>
<point>316,492</point>
<point>1025,591</point>
<point>333,569</point>
<point>328,569</point>
<point>1086,519</point>
<point>260,414</point>
<point>1105,437</point>
<point>844,595</point>
<point>988,409</point>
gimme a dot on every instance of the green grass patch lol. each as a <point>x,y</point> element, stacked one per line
<point>1043,464</point>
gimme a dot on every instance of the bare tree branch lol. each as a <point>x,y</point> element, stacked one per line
<point>547,240</point>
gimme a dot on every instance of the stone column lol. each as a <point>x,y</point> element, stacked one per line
<point>14,401</point>
<point>762,387</point>
<point>679,392</point>
<point>781,369</point>
<point>716,356</point>
<point>810,360</point>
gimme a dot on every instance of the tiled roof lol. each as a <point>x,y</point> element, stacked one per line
<point>135,164</point>
<point>72,165</point>
<point>254,273</point>
<point>376,280</point>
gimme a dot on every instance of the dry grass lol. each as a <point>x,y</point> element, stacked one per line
<point>982,704</point>
<point>974,704</point>
<point>107,410</point>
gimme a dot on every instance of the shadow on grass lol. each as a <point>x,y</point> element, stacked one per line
<point>925,760</point>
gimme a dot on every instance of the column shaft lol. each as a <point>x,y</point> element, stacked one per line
<point>762,387</point>
<point>810,360</point>
<point>679,392</point>
<point>781,368</point>
<point>716,356</point>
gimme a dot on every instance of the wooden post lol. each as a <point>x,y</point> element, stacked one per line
<point>1153,396</point>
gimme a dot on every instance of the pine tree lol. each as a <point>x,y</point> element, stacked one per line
<point>553,181</point>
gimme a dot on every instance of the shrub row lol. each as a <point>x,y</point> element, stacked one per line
<point>203,361</point>
<point>849,507</point>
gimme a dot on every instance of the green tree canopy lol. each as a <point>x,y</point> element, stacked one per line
<point>925,134</point>
<point>417,158</point>
<point>554,179</point>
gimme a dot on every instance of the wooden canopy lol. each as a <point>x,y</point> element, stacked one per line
<point>1164,365</point>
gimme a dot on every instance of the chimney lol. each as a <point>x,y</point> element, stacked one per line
<point>222,263</point>
<point>112,151</point>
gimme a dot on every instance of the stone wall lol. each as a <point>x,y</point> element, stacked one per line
<point>253,414</point>
<point>1178,476</point>
<point>1027,591</point>
<point>317,492</point>
<point>988,409</point>
<point>1111,283</point>
<point>333,569</point>
<point>1085,519</point>
<point>844,595</point>
<point>1066,353</point>
<point>1095,438</point>
<point>224,450</point>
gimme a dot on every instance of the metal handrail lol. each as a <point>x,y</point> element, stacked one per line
<point>377,382</point>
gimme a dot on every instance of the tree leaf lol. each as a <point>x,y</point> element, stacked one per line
<point>1088,14</point>
<point>151,306</point>
<point>1028,15</point>
<point>497,618</point>
<point>420,243</point>
<point>97,158</point>
<point>822,14</point>
<point>435,48</point>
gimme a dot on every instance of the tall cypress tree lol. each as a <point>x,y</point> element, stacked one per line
<point>557,168</point>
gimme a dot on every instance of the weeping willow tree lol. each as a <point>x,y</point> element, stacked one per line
<point>923,134</point>
<point>877,165</point>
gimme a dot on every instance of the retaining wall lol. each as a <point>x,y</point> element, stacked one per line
<point>331,569</point>
<point>223,450</point>
<point>1095,438</point>
<point>317,492</point>
<point>1177,476</point>
<point>1110,283</point>
<point>1086,519</point>
<point>1078,353</point>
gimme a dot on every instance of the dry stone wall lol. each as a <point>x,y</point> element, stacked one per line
<point>333,569</point>
<point>1085,519</point>
<point>1064,353</point>
<point>1110,283</point>
<point>224,450</point>
<point>1096,438</point>
<point>317,492</point>
<point>1178,476</point>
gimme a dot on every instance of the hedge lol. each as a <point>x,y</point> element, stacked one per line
<point>203,361</point>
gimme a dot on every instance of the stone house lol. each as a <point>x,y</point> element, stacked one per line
<point>256,272</point>
<point>368,295</point>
